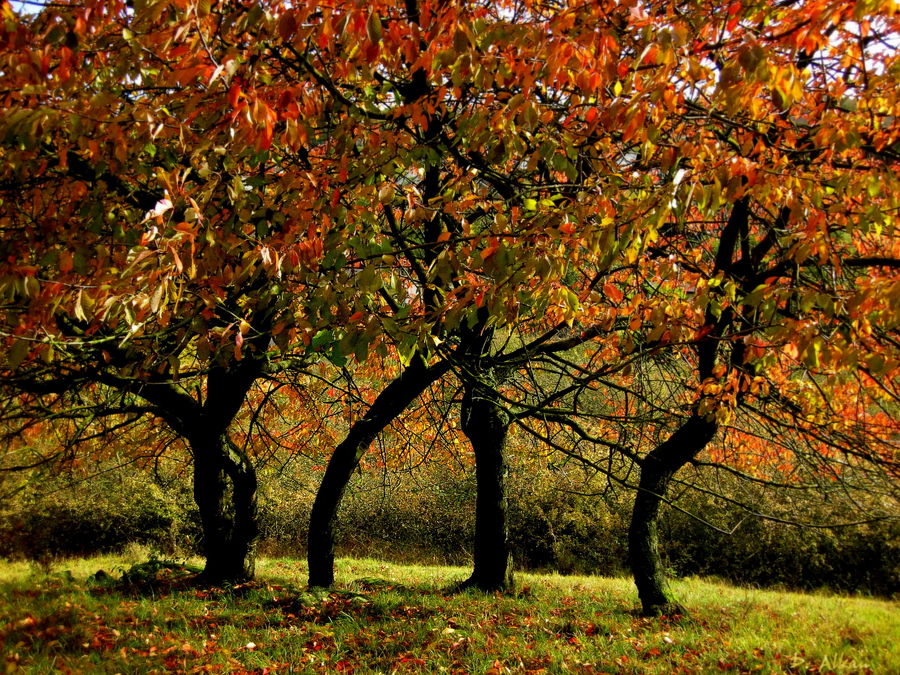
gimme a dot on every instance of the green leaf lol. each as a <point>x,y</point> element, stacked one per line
<point>407,348</point>
<point>322,338</point>
<point>373,27</point>
<point>336,358</point>
<point>17,354</point>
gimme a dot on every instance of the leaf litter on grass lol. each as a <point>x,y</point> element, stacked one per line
<point>404,621</point>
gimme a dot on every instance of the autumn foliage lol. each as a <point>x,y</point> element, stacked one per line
<point>650,234</point>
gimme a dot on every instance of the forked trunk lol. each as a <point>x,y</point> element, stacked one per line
<point>224,478</point>
<point>657,471</point>
<point>225,493</point>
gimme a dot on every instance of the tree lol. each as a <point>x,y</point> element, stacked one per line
<point>784,242</point>
<point>783,192</point>
<point>472,181</point>
<point>152,241</point>
<point>225,191</point>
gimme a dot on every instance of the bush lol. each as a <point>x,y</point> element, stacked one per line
<point>556,524</point>
<point>427,516</point>
<point>862,558</point>
<point>283,512</point>
<point>74,516</point>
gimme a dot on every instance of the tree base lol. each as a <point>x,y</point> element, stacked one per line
<point>205,579</point>
<point>475,583</point>
<point>321,576</point>
<point>670,609</point>
<point>228,574</point>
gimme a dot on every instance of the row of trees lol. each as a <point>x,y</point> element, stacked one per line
<point>650,234</point>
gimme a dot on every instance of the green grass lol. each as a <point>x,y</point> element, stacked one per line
<point>398,619</point>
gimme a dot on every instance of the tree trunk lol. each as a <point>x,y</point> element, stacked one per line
<point>657,471</point>
<point>486,425</point>
<point>224,478</point>
<point>393,399</point>
<point>245,527</point>
<point>690,438</point>
<point>225,493</point>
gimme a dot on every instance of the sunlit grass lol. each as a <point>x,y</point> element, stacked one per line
<point>395,618</point>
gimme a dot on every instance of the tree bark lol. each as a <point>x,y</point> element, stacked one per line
<point>244,524</point>
<point>393,399</point>
<point>210,486</point>
<point>657,471</point>
<point>224,478</point>
<point>695,433</point>
<point>486,425</point>
<point>225,493</point>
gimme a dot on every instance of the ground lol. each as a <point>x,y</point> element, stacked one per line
<point>399,619</point>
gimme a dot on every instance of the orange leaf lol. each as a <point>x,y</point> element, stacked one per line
<point>613,293</point>
<point>65,262</point>
<point>233,95</point>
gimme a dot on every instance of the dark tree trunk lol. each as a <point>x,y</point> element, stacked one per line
<point>210,494</point>
<point>224,478</point>
<point>657,471</point>
<point>245,527</point>
<point>225,493</point>
<point>393,399</point>
<point>486,425</point>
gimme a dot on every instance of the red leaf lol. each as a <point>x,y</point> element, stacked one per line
<point>489,251</point>
<point>65,262</point>
<point>613,293</point>
<point>234,94</point>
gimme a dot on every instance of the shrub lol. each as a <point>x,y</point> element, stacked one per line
<point>73,515</point>
<point>560,519</point>
<point>862,558</point>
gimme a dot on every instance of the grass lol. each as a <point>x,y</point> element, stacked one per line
<point>398,619</point>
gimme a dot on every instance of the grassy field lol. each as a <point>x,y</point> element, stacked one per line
<point>399,619</point>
